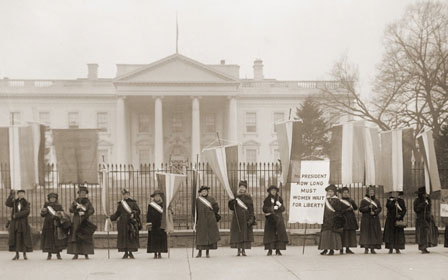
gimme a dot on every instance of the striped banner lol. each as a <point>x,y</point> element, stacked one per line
<point>4,156</point>
<point>347,153</point>
<point>289,138</point>
<point>396,159</point>
<point>169,183</point>
<point>428,152</point>
<point>219,160</point>
<point>372,155</point>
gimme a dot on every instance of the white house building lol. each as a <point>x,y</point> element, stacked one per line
<point>169,109</point>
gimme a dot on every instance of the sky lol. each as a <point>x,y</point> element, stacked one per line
<point>297,39</point>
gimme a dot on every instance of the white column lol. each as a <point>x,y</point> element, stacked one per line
<point>232,128</point>
<point>195,129</point>
<point>158,132</point>
<point>121,132</point>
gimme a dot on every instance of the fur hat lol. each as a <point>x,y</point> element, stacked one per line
<point>273,187</point>
<point>421,190</point>
<point>331,187</point>
<point>19,191</point>
<point>203,188</point>
<point>52,194</point>
<point>83,188</point>
<point>242,183</point>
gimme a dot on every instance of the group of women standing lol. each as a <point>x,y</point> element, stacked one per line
<point>338,231</point>
<point>340,224</point>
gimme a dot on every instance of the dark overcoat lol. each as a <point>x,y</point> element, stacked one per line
<point>351,223</point>
<point>426,231</point>
<point>394,236</point>
<point>157,238</point>
<point>54,237</point>
<point>274,228</point>
<point>370,233</point>
<point>242,233</point>
<point>128,233</point>
<point>81,233</point>
<point>207,232</point>
<point>329,221</point>
<point>19,228</point>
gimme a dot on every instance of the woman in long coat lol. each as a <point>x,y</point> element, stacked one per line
<point>128,225</point>
<point>157,238</point>
<point>241,233</point>
<point>81,234</point>
<point>330,238</point>
<point>19,228</point>
<point>394,236</point>
<point>54,237</point>
<point>207,232</point>
<point>275,236</point>
<point>370,236</point>
<point>351,223</point>
<point>426,231</point>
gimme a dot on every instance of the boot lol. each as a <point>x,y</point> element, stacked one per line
<point>159,255</point>
<point>391,251</point>
<point>207,253</point>
<point>156,256</point>
<point>125,256</point>
<point>86,256</point>
<point>131,256</point>
<point>331,253</point>
<point>239,252</point>
<point>243,252</point>
<point>199,254</point>
<point>58,255</point>
<point>16,257</point>
<point>348,251</point>
<point>269,252</point>
<point>278,253</point>
<point>324,252</point>
<point>341,251</point>
<point>49,256</point>
<point>425,251</point>
<point>366,251</point>
<point>75,257</point>
<point>397,251</point>
<point>372,251</point>
<point>24,256</point>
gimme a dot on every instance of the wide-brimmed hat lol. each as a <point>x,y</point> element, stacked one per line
<point>242,183</point>
<point>83,188</point>
<point>421,190</point>
<point>273,187</point>
<point>125,191</point>
<point>19,191</point>
<point>52,194</point>
<point>157,192</point>
<point>331,187</point>
<point>203,188</point>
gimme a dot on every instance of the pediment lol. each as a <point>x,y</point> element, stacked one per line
<point>175,69</point>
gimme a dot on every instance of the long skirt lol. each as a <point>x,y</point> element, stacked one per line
<point>330,240</point>
<point>213,246</point>
<point>446,237</point>
<point>157,241</point>
<point>349,239</point>
<point>20,243</point>
<point>426,235</point>
<point>242,245</point>
<point>394,237</point>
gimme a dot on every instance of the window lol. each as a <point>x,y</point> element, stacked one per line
<point>73,120</point>
<point>143,123</point>
<point>103,156</point>
<point>278,117</point>
<point>210,126</point>
<point>143,156</point>
<point>251,155</point>
<point>177,124</point>
<point>14,118</point>
<point>251,122</point>
<point>102,121</point>
<point>44,118</point>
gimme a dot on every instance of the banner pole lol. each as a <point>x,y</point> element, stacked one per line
<point>304,241</point>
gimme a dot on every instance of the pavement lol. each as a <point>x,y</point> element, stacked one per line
<point>223,264</point>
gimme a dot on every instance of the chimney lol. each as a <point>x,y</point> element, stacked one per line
<point>92,71</point>
<point>258,70</point>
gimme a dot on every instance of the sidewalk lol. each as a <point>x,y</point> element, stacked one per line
<point>223,264</point>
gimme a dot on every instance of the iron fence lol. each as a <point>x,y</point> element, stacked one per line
<point>141,183</point>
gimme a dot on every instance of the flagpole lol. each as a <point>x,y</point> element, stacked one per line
<point>304,241</point>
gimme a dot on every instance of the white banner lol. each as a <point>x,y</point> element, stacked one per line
<point>307,199</point>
